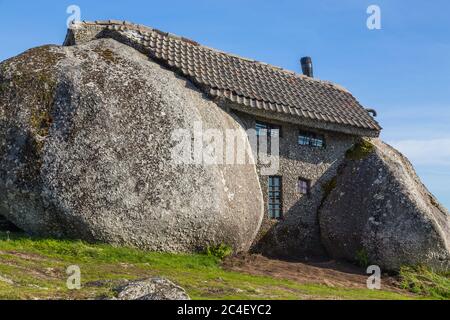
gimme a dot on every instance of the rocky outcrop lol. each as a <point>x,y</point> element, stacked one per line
<point>151,289</point>
<point>380,211</point>
<point>86,152</point>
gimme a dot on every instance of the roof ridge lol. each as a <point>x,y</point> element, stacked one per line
<point>141,27</point>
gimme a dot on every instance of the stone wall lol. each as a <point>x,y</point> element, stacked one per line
<point>297,234</point>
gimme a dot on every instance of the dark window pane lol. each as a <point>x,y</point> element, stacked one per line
<point>274,197</point>
<point>259,127</point>
<point>311,139</point>
<point>303,186</point>
<point>271,129</point>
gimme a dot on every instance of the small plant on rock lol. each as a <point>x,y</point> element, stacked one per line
<point>220,251</point>
<point>362,258</point>
<point>360,150</point>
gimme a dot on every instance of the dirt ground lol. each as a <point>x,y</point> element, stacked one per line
<point>331,273</point>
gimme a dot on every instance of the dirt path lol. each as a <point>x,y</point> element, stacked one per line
<point>331,273</point>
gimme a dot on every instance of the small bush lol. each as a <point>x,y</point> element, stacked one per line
<point>362,258</point>
<point>423,281</point>
<point>360,150</point>
<point>220,251</point>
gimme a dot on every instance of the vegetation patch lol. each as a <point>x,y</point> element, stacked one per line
<point>362,258</point>
<point>40,121</point>
<point>36,269</point>
<point>107,55</point>
<point>423,281</point>
<point>220,251</point>
<point>360,150</point>
<point>40,87</point>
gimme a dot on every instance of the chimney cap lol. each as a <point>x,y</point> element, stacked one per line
<point>305,60</point>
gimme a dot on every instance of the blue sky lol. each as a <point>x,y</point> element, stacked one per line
<point>402,70</point>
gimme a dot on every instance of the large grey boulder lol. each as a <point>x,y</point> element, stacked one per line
<point>380,210</point>
<point>86,152</point>
<point>151,289</point>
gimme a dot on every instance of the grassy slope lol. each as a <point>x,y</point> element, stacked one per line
<point>36,268</point>
<point>422,281</point>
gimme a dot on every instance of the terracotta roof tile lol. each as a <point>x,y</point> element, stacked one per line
<point>254,84</point>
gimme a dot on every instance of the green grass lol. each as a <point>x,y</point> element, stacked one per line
<point>37,270</point>
<point>421,280</point>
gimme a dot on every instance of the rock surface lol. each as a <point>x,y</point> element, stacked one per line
<point>151,289</point>
<point>380,210</point>
<point>86,152</point>
<point>6,225</point>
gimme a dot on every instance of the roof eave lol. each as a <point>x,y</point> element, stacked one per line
<point>302,121</point>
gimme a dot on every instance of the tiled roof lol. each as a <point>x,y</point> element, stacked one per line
<point>246,82</point>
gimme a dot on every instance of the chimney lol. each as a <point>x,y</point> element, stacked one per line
<point>307,67</point>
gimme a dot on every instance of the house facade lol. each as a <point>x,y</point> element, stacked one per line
<point>308,160</point>
<point>316,121</point>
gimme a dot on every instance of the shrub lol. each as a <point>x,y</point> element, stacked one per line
<point>360,150</point>
<point>220,251</point>
<point>362,258</point>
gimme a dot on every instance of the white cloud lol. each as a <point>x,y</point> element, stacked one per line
<point>429,152</point>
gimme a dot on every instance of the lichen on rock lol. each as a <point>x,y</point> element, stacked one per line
<point>86,142</point>
<point>151,289</point>
<point>380,207</point>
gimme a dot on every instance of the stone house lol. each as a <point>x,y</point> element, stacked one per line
<point>317,122</point>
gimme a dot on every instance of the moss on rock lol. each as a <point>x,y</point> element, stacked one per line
<point>360,150</point>
<point>107,55</point>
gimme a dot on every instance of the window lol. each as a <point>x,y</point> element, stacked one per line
<point>275,190</point>
<point>311,139</point>
<point>303,186</point>
<point>272,130</point>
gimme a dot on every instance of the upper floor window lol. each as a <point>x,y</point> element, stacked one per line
<point>306,138</point>
<point>272,130</point>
